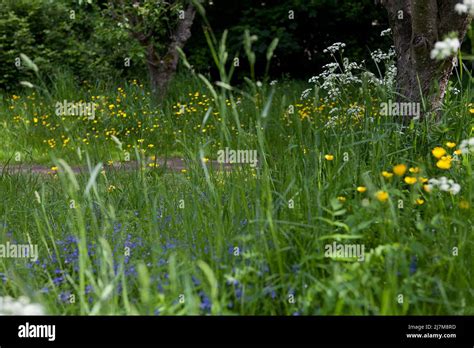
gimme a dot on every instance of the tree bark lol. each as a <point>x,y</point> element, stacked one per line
<point>416,26</point>
<point>162,69</point>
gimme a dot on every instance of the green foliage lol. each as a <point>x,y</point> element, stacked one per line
<point>82,41</point>
<point>191,251</point>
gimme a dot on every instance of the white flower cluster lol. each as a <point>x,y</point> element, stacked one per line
<point>444,185</point>
<point>334,47</point>
<point>467,146</point>
<point>21,306</point>
<point>306,93</point>
<point>334,76</point>
<point>445,49</point>
<point>354,110</point>
<point>379,56</point>
<point>333,119</point>
<point>467,6</point>
<point>389,78</point>
<point>386,32</point>
<point>390,75</point>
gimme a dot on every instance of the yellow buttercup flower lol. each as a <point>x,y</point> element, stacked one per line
<point>427,188</point>
<point>444,163</point>
<point>420,201</point>
<point>382,196</point>
<point>471,111</point>
<point>414,170</point>
<point>458,152</point>
<point>423,180</point>
<point>361,189</point>
<point>410,180</point>
<point>438,152</point>
<point>329,157</point>
<point>400,169</point>
<point>450,144</point>
<point>386,174</point>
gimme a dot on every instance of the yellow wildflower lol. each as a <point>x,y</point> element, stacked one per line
<point>329,157</point>
<point>438,152</point>
<point>400,169</point>
<point>382,196</point>
<point>444,163</point>
<point>450,144</point>
<point>410,180</point>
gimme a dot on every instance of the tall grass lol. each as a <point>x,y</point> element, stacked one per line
<point>244,241</point>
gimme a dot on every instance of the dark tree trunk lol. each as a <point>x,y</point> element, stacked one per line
<point>416,26</point>
<point>162,69</point>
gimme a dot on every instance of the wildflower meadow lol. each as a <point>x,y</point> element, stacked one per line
<point>236,190</point>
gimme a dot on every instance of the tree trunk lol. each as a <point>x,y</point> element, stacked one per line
<point>162,69</point>
<point>416,26</point>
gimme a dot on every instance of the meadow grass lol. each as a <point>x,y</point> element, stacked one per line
<point>244,241</point>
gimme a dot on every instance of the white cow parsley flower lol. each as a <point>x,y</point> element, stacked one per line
<point>467,146</point>
<point>445,49</point>
<point>334,47</point>
<point>386,32</point>
<point>20,306</point>
<point>467,6</point>
<point>444,184</point>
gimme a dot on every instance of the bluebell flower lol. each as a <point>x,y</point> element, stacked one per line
<point>58,280</point>
<point>206,304</point>
<point>64,296</point>
<point>413,265</point>
<point>238,292</point>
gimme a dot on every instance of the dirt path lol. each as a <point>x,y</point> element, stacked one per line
<point>171,164</point>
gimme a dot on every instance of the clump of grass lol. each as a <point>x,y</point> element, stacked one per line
<point>244,241</point>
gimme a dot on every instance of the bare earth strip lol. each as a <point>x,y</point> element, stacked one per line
<point>170,164</point>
